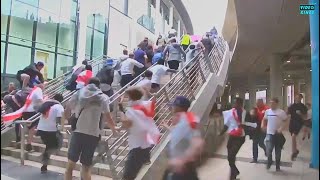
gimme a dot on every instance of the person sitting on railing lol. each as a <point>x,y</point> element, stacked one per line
<point>28,110</point>
<point>29,73</point>
<point>127,69</point>
<point>158,71</point>
<point>15,102</point>
<point>186,143</point>
<point>90,106</point>
<point>84,77</point>
<point>175,54</point>
<point>143,132</point>
<point>51,114</point>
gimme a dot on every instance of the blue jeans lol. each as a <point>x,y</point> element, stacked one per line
<point>272,142</point>
<point>258,140</point>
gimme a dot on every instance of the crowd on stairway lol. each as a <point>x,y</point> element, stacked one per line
<point>89,107</point>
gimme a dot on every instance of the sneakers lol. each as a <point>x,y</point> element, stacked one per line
<point>28,147</point>
<point>294,155</point>
<point>278,168</point>
<point>44,169</point>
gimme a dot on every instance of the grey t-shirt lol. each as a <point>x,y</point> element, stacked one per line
<point>93,105</point>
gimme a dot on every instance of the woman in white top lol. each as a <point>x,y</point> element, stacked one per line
<point>307,124</point>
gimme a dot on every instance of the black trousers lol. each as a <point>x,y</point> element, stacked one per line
<point>258,140</point>
<point>137,157</point>
<point>233,146</point>
<point>51,141</point>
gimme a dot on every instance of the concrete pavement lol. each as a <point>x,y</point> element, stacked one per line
<point>217,168</point>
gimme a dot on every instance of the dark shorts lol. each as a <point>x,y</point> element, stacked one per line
<point>28,115</point>
<point>137,157</point>
<point>49,139</point>
<point>155,86</point>
<point>126,79</point>
<point>82,146</point>
<point>189,174</point>
<point>295,126</point>
<point>174,64</point>
<point>137,71</point>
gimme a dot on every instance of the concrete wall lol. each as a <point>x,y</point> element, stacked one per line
<point>202,106</point>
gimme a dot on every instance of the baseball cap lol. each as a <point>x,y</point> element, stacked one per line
<point>181,101</point>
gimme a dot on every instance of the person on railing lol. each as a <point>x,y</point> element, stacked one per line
<point>175,54</point>
<point>28,75</point>
<point>127,69</point>
<point>158,71</point>
<point>84,77</point>
<point>186,143</point>
<point>15,102</point>
<point>51,113</point>
<point>28,110</point>
<point>91,109</point>
<point>143,132</point>
<point>208,45</point>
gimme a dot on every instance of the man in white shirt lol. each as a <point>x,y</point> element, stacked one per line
<point>273,123</point>
<point>51,114</point>
<point>143,133</point>
<point>158,71</point>
<point>127,69</point>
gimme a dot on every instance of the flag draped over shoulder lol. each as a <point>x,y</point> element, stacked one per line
<point>143,114</point>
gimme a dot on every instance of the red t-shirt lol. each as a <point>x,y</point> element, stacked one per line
<point>261,111</point>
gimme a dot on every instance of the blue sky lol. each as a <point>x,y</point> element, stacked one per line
<point>205,14</point>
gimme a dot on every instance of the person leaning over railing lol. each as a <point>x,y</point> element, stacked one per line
<point>186,143</point>
<point>89,105</point>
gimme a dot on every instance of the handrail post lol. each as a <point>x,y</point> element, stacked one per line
<point>22,143</point>
<point>207,60</point>
<point>188,84</point>
<point>201,71</point>
<point>110,162</point>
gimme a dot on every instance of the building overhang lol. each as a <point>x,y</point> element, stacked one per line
<point>184,15</point>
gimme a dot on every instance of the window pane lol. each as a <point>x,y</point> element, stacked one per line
<point>88,42</point>
<point>64,64</point>
<point>51,6</point>
<point>46,36</point>
<point>118,4</point>
<point>66,38</point>
<point>23,10</point>
<point>90,20</point>
<point>5,7</point>
<point>21,24</point>
<point>4,20</point>
<point>30,2</point>
<point>98,42</point>
<point>48,60</point>
<point>100,23</point>
<point>17,61</point>
<point>2,56</point>
<point>47,17</point>
<point>68,10</point>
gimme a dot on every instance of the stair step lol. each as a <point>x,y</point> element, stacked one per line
<point>60,161</point>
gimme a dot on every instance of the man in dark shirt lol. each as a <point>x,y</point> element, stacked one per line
<point>297,112</point>
<point>28,75</point>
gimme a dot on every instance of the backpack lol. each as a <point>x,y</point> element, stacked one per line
<point>71,84</point>
<point>106,75</point>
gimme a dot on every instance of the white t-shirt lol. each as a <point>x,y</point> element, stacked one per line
<point>128,65</point>
<point>35,96</point>
<point>230,121</point>
<point>275,119</point>
<point>49,123</point>
<point>141,124</point>
<point>157,72</point>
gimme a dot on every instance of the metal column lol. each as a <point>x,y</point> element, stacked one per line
<point>314,36</point>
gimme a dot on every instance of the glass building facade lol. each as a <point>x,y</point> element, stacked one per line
<point>46,30</point>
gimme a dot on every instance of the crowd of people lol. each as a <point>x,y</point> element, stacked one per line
<point>89,108</point>
<point>265,126</point>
